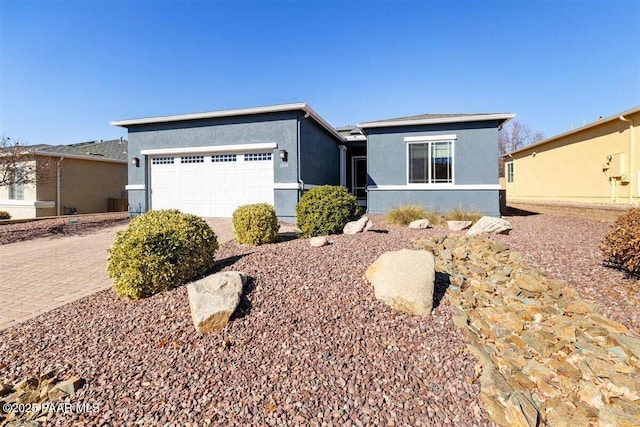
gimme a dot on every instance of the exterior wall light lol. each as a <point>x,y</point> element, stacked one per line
<point>283,155</point>
<point>135,161</point>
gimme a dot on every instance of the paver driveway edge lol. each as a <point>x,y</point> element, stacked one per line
<point>40,275</point>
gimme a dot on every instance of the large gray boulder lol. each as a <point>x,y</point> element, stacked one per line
<point>214,298</point>
<point>354,227</point>
<point>404,280</point>
<point>489,224</point>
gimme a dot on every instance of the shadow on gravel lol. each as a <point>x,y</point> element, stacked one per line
<point>379,231</point>
<point>286,237</point>
<point>226,262</point>
<point>440,288</point>
<point>511,211</point>
<point>244,306</point>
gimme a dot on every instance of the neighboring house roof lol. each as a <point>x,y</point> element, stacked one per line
<point>114,150</point>
<point>598,122</point>
<point>299,106</point>
<point>427,119</point>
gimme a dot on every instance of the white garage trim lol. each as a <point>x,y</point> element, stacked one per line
<point>134,187</point>
<point>211,184</point>
<point>286,186</point>
<point>210,149</point>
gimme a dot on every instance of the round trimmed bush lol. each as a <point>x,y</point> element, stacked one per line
<point>5,215</point>
<point>255,224</point>
<point>325,210</point>
<point>158,251</point>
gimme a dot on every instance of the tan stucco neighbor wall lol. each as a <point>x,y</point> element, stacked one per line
<point>590,165</point>
<point>84,185</point>
<point>87,185</point>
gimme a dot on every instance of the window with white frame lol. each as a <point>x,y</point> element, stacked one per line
<point>430,161</point>
<point>509,166</point>
<point>16,188</point>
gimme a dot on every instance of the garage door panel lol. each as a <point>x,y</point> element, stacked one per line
<point>212,188</point>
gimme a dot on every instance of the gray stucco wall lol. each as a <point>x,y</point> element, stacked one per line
<point>441,201</point>
<point>320,155</point>
<point>475,163</point>
<point>280,128</point>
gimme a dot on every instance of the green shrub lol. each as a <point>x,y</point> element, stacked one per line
<point>255,224</point>
<point>325,210</point>
<point>406,214</point>
<point>160,250</point>
<point>460,214</point>
<point>5,215</point>
<point>621,246</point>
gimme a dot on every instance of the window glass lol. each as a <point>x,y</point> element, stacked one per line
<point>16,188</point>
<point>431,162</point>
<point>441,162</point>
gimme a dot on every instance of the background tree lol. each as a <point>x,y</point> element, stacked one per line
<point>18,165</point>
<point>514,136</point>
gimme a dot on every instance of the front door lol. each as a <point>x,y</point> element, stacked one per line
<point>359,178</point>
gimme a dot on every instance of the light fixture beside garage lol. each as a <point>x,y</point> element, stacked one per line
<point>284,155</point>
<point>135,161</point>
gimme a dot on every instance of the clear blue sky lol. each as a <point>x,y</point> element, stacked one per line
<point>67,68</point>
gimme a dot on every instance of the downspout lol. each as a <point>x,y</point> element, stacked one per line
<point>58,185</point>
<point>632,171</point>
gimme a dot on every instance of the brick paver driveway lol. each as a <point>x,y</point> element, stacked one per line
<point>39,275</point>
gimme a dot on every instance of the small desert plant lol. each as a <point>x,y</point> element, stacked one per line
<point>255,224</point>
<point>460,214</point>
<point>160,250</point>
<point>5,215</point>
<point>405,214</point>
<point>621,247</point>
<point>325,210</point>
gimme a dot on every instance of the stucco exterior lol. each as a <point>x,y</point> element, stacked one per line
<point>595,163</point>
<point>475,176</point>
<point>82,183</point>
<point>317,154</point>
<point>312,152</point>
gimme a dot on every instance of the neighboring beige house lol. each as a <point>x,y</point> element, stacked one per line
<point>82,178</point>
<point>595,163</point>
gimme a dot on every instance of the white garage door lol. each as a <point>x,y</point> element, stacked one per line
<point>211,185</point>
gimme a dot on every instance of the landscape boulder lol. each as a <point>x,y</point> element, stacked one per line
<point>489,224</point>
<point>458,225</point>
<point>404,280</point>
<point>319,241</point>
<point>214,298</point>
<point>354,227</point>
<point>419,224</point>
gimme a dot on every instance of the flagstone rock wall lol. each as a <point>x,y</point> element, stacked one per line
<point>545,355</point>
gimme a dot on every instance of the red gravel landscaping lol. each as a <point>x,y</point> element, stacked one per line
<point>309,344</point>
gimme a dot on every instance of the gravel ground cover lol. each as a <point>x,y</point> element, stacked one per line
<point>567,248</point>
<point>58,227</point>
<point>309,344</point>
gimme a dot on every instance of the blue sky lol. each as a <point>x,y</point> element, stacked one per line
<point>67,68</point>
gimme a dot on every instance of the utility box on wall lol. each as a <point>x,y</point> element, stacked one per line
<point>617,165</point>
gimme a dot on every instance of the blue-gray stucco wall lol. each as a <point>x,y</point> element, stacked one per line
<point>319,150</point>
<point>281,128</point>
<point>475,163</point>
<point>320,155</point>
